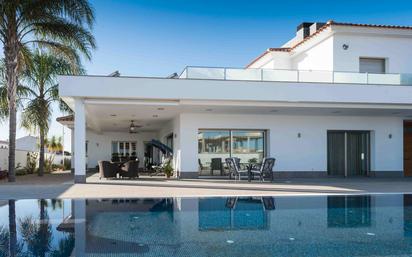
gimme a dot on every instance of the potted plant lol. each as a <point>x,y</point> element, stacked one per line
<point>168,170</point>
<point>115,157</point>
<point>133,156</point>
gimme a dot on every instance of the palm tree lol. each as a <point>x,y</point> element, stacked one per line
<point>65,247</point>
<point>21,93</point>
<point>61,26</point>
<point>54,144</point>
<point>43,93</point>
<point>12,229</point>
<point>4,242</point>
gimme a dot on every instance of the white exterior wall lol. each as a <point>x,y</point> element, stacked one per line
<point>308,153</point>
<point>274,60</point>
<point>317,57</point>
<point>325,52</point>
<point>21,158</point>
<point>396,50</point>
<point>27,143</point>
<point>100,145</point>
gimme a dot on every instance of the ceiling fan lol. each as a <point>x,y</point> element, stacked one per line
<point>133,128</point>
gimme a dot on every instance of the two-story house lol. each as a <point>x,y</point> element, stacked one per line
<point>336,100</point>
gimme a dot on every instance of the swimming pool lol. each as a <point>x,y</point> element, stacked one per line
<point>361,225</point>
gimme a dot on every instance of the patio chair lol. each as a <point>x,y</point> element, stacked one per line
<point>268,203</point>
<point>234,169</point>
<point>200,164</point>
<point>265,168</point>
<point>159,169</point>
<point>107,169</point>
<point>237,161</point>
<point>216,164</point>
<point>130,169</point>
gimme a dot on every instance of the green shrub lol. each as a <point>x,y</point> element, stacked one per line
<point>168,170</point>
<point>31,163</point>
<point>55,167</point>
<point>21,172</point>
<point>67,164</point>
<point>48,165</point>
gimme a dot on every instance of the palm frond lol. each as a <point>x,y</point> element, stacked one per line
<point>66,33</point>
<point>36,115</point>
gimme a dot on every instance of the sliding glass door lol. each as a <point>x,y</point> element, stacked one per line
<point>214,146</point>
<point>348,153</point>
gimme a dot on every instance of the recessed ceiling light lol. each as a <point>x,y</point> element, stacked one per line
<point>155,116</point>
<point>113,115</point>
<point>160,109</point>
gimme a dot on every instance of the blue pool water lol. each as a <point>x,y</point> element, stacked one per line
<point>365,225</point>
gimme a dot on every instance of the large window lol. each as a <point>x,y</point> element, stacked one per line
<point>248,145</point>
<point>123,148</point>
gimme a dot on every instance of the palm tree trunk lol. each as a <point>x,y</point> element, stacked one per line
<point>12,229</point>
<point>43,229</point>
<point>41,157</point>
<point>11,50</point>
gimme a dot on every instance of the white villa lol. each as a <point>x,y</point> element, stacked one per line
<point>336,100</point>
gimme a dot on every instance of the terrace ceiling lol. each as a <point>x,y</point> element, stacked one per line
<point>152,116</point>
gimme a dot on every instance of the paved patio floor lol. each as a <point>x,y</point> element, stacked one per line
<point>62,186</point>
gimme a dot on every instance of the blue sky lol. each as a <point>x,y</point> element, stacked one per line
<point>159,37</point>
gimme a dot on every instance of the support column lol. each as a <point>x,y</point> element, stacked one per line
<point>79,141</point>
<point>188,146</point>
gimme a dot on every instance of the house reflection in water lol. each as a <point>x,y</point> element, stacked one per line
<point>235,213</point>
<point>349,211</point>
<point>209,225</point>
<point>407,215</point>
<point>379,225</point>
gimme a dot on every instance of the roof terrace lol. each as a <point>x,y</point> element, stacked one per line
<point>306,76</point>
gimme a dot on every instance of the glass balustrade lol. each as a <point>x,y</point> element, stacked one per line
<point>305,76</point>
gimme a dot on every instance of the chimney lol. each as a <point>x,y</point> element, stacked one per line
<point>303,30</point>
<point>315,26</point>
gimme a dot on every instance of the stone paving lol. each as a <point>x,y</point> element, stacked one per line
<point>62,186</point>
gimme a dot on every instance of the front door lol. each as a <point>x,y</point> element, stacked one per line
<point>348,153</point>
<point>407,148</point>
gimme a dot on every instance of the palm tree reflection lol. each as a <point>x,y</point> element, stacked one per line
<point>37,234</point>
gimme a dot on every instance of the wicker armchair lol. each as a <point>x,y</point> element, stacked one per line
<point>107,169</point>
<point>130,169</point>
